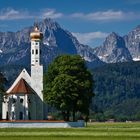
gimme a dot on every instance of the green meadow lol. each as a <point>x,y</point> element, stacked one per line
<point>94,131</point>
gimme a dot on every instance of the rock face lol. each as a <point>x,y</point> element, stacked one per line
<point>120,49</point>
<point>15,46</point>
<point>132,41</point>
<point>113,50</point>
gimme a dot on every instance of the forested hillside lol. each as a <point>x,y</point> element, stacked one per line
<point>117,91</point>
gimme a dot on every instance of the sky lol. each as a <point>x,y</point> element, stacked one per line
<point>89,20</point>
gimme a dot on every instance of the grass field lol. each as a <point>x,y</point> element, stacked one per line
<point>94,131</point>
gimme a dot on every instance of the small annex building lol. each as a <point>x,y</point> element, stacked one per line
<point>24,99</point>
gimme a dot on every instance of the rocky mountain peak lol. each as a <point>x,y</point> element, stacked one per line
<point>48,27</point>
<point>132,41</point>
<point>112,35</point>
<point>48,24</point>
<point>15,46</point>
<point>114,40</point>
<point>137,28</point>
<point>113,50</point>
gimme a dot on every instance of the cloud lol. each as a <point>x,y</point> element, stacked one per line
<point>86,38</point>
<point>12,14</point>
<point>109,15</point>
<point>51,13</point>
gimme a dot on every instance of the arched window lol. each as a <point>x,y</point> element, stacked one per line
<point>21,100</point>
<point>32,51</point>
<point>29,100</point>
<point>36,51</point>
<point>7,115</point>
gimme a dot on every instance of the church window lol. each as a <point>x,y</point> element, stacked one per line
<point>21,100</point>
<point>14,100</point>
<point>36,43</point>
<point>7,115</point>
<point>29,101</point>
<point>36,51</point>
<point>32,51</point>
<point>21,115</point>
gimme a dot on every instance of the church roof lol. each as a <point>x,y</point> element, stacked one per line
<point>24,75</point>
<point>22,87</point>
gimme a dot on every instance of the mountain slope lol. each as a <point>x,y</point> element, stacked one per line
<point>15,46</point>
<point>113,50</point>
<point>132,41</point>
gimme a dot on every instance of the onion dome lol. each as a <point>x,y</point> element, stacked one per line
<point>36,34</point>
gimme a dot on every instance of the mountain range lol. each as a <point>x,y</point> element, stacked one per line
<point>116,86</point>
<point>120,49</point>
<point>15,46</point>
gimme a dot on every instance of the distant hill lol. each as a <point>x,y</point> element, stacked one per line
<point>117,91</point>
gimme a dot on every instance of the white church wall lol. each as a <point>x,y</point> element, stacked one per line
<point>4,109</point>
<point>18,110</point>
<point>32,107</point>
<point>37,84</point>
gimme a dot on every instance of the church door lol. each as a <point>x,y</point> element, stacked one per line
<point>21,115</point>
<point>7,115</point>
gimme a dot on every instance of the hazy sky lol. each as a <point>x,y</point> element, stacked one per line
<point>90,20</point>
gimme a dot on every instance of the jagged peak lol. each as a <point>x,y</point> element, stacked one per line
<point>45,20</point>
<point>138,27</point>
<point>113,34</point>
<point>49,23</point>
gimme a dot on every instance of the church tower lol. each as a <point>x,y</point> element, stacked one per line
<point>37,70</point>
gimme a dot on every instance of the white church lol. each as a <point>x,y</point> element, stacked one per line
<point>24,99</point>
